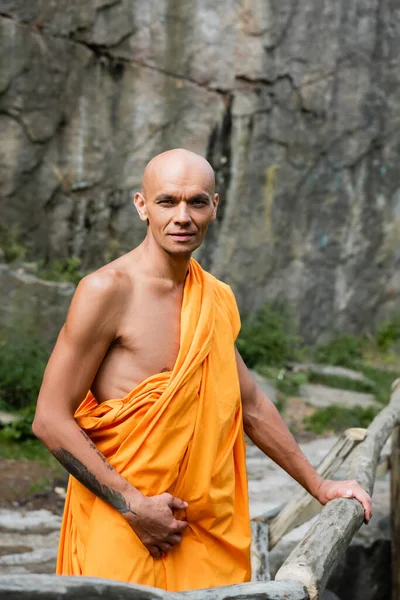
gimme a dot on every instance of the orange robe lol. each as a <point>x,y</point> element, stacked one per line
<point>179,432</point>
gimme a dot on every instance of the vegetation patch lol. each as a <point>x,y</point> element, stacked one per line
<point>30,449</point>
<point>382,378</point>
<point>342,382</point>
<point>388,334</point>
<point>342,350</point>
<point>23,358</point>
<point>14,251</point>
<point>41,486</point>
<point>269,336</point>
<point>11,243</point>
<point>61,270</point>
<point>337,419</point>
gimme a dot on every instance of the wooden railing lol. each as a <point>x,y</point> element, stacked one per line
<point>52,587</point>
<point>320,551</point>
<point>304,574</point>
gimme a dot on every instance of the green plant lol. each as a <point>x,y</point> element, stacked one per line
<point>23,359</point>
<point>338,418</point>
<point>31,449</point>
<point>388,333</point>
<point>285,381</point>
<point>382,379</point>
<point>20,429</point>
<point>11,244</point>
<point>342,350</point>
<point>280,403</point>
<point>269,336</point>
<point>289,383</point>
<point>61,270</point>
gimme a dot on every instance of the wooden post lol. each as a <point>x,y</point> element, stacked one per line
<point>395,513</point>
<point>259,552</point>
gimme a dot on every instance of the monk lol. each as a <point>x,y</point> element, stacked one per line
<point>145,401</point>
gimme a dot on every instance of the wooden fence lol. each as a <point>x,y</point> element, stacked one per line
<point>312,562</point>
<point>304,574</point>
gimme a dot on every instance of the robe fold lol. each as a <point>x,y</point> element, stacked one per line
<point>179,432</point>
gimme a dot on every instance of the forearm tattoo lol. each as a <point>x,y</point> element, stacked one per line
<point>94,447</point>
<point>84,476</point>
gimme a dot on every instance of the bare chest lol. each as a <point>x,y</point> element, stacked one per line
<point>152,335</point>
<point>148,342</point>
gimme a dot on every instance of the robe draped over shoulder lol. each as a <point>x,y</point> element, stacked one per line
<point>179,432</point>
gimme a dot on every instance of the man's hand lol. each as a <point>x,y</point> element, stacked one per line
<point>153,521</point>
<point>330,489</point>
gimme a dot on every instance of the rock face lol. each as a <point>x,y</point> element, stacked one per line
<point>33,304</point>
<point>294,104</point>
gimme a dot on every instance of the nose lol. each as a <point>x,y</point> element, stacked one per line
<point>182,214</point>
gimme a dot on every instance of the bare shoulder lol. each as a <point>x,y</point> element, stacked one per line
<point>100,298</point>
<point>109,283</point>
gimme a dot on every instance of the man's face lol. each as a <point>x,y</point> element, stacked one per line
<point>179,206</point>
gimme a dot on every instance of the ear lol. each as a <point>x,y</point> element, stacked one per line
<point>140,204</point>
<point>215,203</point>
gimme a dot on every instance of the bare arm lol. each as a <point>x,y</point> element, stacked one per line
<point>91,325</point>
<point>266,428</point>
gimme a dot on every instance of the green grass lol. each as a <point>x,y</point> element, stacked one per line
<point>382,379</point>
<point>343,383</point>
<point>337,419</point>
<point>44,484</point>
<point>31,449</point>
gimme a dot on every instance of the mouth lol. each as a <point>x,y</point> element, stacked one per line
<point>182,237</point>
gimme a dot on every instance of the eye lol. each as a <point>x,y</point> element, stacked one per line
<point>199,202</point>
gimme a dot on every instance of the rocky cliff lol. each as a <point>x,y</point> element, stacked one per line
<point>295,104</point>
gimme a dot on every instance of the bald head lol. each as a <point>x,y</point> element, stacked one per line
<point>178,167</point>
<point>178,201</point>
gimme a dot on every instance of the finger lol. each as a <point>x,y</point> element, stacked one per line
<point>174,539</point>
<point>155,551</point>
<point>367,506</point>
<point>179,525</point>
<point>176,503</point>
<point>165,546</point>
<point>366,502</point>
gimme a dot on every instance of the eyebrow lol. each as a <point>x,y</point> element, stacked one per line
<point>201,196</point>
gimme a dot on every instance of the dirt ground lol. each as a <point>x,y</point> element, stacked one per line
<point>30,484</point>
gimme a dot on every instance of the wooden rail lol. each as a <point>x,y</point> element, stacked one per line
<point>52,587</point>
<point>320,551</point>
<point>395,513</point>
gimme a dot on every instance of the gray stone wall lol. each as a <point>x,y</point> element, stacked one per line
<point>296,105</point>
